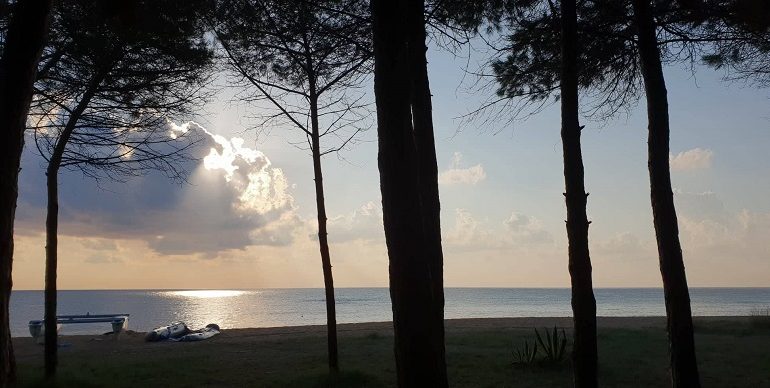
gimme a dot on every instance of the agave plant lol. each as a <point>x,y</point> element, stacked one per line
<point>525,355</point>
<point>554,344</point>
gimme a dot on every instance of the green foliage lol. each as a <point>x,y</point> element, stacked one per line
<point>554,345</point>
<point>117,71</point>
<point>302,63</point>
<point>525,355</point>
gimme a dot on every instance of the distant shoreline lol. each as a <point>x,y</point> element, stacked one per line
<point>385,287</point>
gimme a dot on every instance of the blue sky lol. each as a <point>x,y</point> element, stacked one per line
<point>502,207</point>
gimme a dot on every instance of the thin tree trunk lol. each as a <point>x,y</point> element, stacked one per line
<point>52,226</point>
<point>323,242</point>
<point>419,347</point>
<point>684,367</point>
<point>584,353</point>
<point>24,43</point>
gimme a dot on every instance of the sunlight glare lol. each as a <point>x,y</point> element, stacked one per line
<point>208,293</point>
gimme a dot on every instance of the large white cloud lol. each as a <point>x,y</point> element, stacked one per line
<point>233,197</point>
<point>456,175</point>
<point>694,159</point>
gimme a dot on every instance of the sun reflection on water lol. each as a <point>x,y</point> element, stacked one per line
<point>207,293</point>
<point>198,308</point>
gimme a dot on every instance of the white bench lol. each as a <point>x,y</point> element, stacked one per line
<point>119,322</point>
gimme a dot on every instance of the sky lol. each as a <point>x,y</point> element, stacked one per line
<point>246,218</point>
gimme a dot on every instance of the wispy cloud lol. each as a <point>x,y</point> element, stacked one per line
<point>694,159</point>
<point>456,175</point>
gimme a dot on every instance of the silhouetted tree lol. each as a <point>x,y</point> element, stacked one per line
<point>306,59</point>
<point>112,77</point>
<point>22,45</point>
<point>741,30</point>
<point>684,367</point>
<point>584,353</point>
<point>618,50</point>
<point>408,183</point>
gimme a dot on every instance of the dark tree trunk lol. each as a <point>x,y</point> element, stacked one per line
<point>323,241</point>
<point>409,204</point>
<point>422,117</point>
<point>52,226</point>
<point>684,367</point>
<point>51,259</point>
<point>24,42</point>
<point>584,353</point>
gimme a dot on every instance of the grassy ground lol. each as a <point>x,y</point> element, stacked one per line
<point>732,352</point>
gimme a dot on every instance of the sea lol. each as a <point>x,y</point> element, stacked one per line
<point>306,306</point>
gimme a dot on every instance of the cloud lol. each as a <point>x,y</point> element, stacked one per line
<point>516,230</point>
<point>235,198</point>
<point>624,246</point>
<point>700,206</point>
<point>461,176</point>
<point>694,159</point>
<point>364,223</point>
<point>524,228</point>
<point>469,231</point>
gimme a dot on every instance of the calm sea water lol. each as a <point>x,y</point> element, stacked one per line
<point>295,307</point>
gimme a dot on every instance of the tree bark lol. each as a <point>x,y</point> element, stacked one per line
<point>24,43</point>
<point>323,242</point>
<point>584,353</point>
<point>410,206</point>
<point>684,367</point>
<point>52,226</point>
<point>422,118</point>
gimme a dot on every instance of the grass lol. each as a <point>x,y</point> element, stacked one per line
<point>760,318</point>
<point>729,355</point>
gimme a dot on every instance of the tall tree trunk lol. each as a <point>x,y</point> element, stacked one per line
<point>323,241</point>
<point>409,214</point>
<point>422,118</point>
<point>52,226</point>
<point>684,367</point>
<point>24,43</point>
<point>584,353</point>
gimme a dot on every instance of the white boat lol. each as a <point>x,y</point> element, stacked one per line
<point>179,332</point>
<point>199,335</point>
<point>174,330</point>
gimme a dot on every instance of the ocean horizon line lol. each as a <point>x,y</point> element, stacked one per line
<point>383,287</point>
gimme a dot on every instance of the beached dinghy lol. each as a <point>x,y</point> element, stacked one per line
<point>179,332</point>
<point>199,335</point>
<point>172,331</point>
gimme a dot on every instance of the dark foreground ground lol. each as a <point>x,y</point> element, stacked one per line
<point>732,352</point>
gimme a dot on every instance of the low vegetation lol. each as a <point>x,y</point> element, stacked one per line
<point>478,355</point>
<point>551,346</point>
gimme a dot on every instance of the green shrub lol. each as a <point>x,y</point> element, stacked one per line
<point>554,345</point>
<point>525,355</point>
